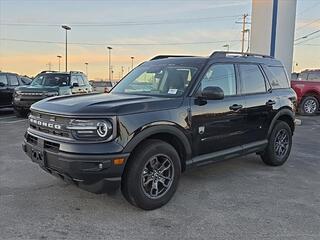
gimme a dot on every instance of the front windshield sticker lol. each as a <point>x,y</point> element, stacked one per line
<point>172,91</point>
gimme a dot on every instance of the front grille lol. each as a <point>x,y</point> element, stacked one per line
<point>31,94</point>
<point>50,124</point>
<point>32,140</point>
<point>51,146</point>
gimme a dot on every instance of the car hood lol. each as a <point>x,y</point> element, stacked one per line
<point>37,89</point>
<point>104,104</point>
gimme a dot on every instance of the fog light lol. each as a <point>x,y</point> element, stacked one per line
<point>100,165</point>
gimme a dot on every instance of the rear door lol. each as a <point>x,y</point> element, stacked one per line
<point>218,124</point>
<point>5,99</point>
<point>13,83</point>
<point>259,101</point>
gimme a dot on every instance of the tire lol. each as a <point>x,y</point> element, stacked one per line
<point>277,151</point>
<point>21,113</point>
<point>309,106</point>
<point>154,159</point>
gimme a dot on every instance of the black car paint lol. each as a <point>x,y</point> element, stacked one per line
<point>6,92</point>
<point>229,131</point>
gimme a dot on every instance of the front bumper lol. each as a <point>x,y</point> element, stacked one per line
<point>20,103</point>
<point>93,172</point>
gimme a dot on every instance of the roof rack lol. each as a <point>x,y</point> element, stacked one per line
<point>47,71</point>
<point>76,72</point>
<point>224,54</point>
<point>168,56</point>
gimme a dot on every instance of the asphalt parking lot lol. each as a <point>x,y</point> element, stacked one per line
<point>236,199</point>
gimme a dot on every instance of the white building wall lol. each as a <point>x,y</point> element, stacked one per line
<point>262,24</point>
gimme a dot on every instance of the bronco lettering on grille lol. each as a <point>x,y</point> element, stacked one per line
<point>45,124</point>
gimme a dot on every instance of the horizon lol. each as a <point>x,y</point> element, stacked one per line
<point>32,37</point>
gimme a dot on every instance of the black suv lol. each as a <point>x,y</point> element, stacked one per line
<point>8,82</point>
<point>48,84</point>
<point>166,115</point>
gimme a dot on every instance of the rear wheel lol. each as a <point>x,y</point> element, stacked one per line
<point>152,175</point>
<point>309,106</point>
<point>279,146</point>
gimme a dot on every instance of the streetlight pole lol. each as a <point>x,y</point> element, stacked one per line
<point>59,59</point>
<point>86,68</point>
<point>109,49</point>
<point>66,28</point>
<point>132,62</point>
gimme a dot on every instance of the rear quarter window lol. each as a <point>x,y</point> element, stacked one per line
<point>277,77</point>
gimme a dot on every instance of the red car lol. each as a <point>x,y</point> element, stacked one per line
<point>307,87</point>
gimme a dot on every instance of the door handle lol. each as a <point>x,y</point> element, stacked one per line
<point>235,107</point>
<point>270,102</point>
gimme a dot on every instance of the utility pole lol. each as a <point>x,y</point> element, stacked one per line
<point>86,63</point>
<point>109,49</point>
<point>59,57</point>
<point>244,17</point>
<point>49,64</point>
<point>122,71</point>
<point>132,62</point>
<point>67,28</point>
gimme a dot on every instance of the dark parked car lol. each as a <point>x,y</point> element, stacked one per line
<point>166,115</point>
<point>8,82</point>
<point>48,84</point>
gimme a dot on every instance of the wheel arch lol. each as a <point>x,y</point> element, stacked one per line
<point>168,133</point>
<point>312,93</point>
<point>285,115</point>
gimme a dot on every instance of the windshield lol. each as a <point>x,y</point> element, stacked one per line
<point>159,80</point>
<point>51,80</point>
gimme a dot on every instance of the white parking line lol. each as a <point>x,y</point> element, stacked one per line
<point>7,117</point>
<point>22,120</point>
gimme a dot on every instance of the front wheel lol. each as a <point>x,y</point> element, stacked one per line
<point>152,175</point>
<point>279,146</point>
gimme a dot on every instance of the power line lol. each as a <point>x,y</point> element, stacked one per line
<point>309,8</point>
<point>125,23</point>
<point>307,24</point>
<point>308,35</point>
<point>116,44</point>
<point>307,40</point>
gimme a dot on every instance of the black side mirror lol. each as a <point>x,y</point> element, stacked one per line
<point>212,93</point>
<point>2,84</point>
<point>75,85</point>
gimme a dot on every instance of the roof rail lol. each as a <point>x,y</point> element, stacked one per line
<point>225,53</point>
<point>76,72</point>
<point>168,56</point>
<point>48,71</point>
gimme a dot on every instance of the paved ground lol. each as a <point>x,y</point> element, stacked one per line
<point>236,199</point>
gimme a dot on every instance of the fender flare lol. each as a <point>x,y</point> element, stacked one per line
<point>150,130</point>
<point>282,112</point>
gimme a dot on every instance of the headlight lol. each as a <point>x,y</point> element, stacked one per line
<point>91,129</point>
<point>17,93</point>
<point>51,94</point>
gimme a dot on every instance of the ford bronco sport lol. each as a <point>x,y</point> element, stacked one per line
<point>168,114</point>
<point>48,84</point>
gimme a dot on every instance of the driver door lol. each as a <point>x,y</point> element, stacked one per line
<point>218,124</point>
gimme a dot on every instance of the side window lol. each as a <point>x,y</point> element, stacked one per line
<point>3,79</point>
<point>303,76</point>
<point>74,79</point>
<point>277,77</point>
<point>80,80</point>
<point>314,76</point>
<point>223,76</point>
<point>252,79</point>
<point>13,80</point>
